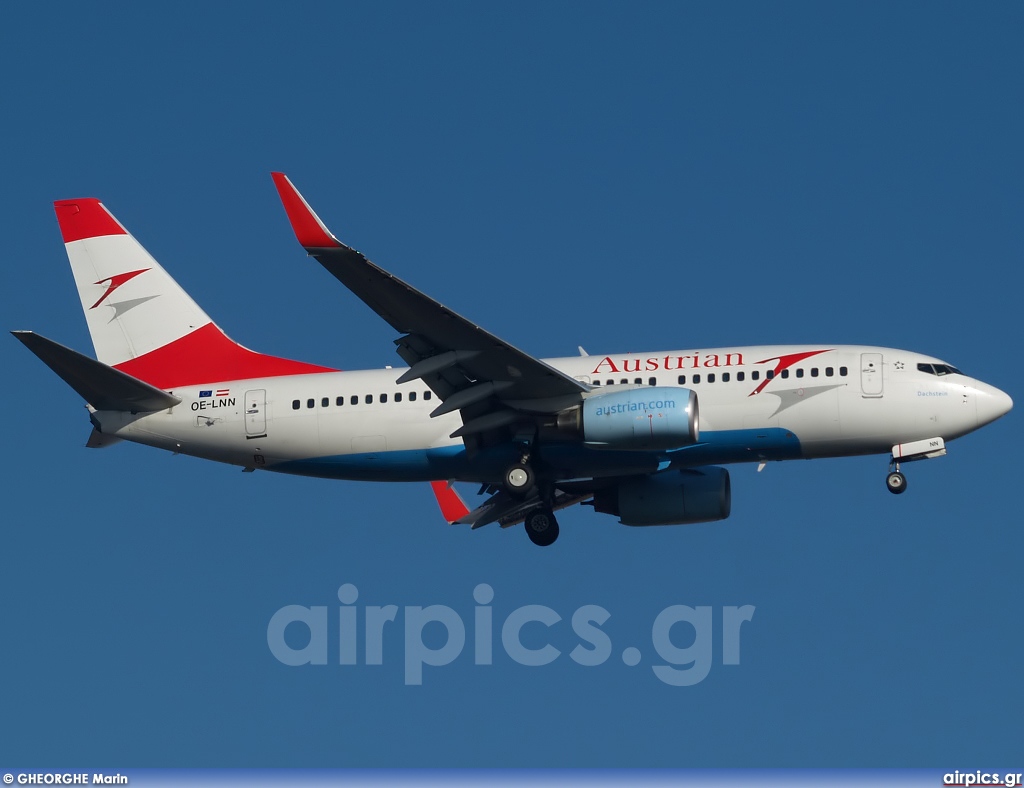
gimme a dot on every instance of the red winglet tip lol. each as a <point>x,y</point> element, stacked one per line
<point>453,508</point>
<point>309,230</point>
<point>85,218</point>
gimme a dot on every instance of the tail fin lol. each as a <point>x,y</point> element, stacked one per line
<point>140,320</point>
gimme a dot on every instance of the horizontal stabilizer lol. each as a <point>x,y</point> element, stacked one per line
<point>103,387</point>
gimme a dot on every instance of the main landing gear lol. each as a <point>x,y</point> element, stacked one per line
<point>521,482</point>
<point>896,481</point>
<point>519,479</point>
<point>541,526</point>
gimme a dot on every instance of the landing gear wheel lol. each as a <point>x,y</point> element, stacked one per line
<point>519,479</point>
<point>541,527</point>
<point>896,482</point>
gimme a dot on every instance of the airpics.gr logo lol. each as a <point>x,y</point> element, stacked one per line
<point>298,635</point>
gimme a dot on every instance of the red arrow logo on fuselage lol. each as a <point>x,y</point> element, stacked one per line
<point>785,362</point>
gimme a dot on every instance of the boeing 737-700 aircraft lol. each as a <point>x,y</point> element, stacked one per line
<point>640,436</point>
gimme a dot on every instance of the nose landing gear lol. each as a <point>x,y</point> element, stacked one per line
<point>896,481</point>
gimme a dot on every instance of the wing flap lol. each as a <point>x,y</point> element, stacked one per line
<point>507,510</point>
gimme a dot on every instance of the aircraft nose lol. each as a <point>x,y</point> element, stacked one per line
<point>992,404</point>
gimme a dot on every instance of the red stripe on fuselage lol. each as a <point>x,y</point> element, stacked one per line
<point>85,218</point>
<point>207,355</point>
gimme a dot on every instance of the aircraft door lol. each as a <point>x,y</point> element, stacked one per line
<point>256,413</point>
<point>871,374</point>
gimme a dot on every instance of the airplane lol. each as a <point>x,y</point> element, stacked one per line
<point>640,436</point>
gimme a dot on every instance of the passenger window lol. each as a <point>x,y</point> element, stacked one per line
<point>369,399</point>
<point>354,399</point>
<point>800,373</point>
<point>383,397</point>
<point>843,372</point>
<point>638,381</point>
<point>652,381</point>
<point>412,396</point>
<point>829,372</point>
<point>755,375</point>
<point>295,404</point>
<point>770,374</point>
<point>696,378</point>
<point>398,396</point>
<point>426,395</point>
<point>310,403</point>
<point>597,382</point>
<point>814,372</point>
<point>624,381</point>
<point>325,402</point>
<point>610,383</point>
<point>682,380</point>
<point>711,377</point>
<point>740,376</point>
<point>339,401</point>
<point>725,377</point>
<point>785,373</point>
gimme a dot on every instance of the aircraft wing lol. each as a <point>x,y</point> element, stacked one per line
<point>499,508</point>
<point>471,370</point>
<point>507,510</point>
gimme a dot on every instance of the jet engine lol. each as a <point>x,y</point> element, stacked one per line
<point>693,495</point>
<point>640,419</point>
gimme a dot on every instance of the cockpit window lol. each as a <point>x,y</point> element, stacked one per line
<point>939,369</point>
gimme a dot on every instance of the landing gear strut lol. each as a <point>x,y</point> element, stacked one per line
<point>896,481</point>
<point>541,526</point>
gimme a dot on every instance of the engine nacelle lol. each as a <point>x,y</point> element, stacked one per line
<point>693,495</point>
<point>640,419</point>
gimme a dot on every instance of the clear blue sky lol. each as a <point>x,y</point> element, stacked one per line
<point>625,177</point>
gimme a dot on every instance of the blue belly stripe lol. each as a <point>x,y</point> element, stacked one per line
<point>568,460</point>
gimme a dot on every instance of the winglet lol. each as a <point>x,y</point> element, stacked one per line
<point>453,508</point>
<point>309,230</point>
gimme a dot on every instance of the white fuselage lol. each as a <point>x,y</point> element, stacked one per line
<point>757,403</point>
